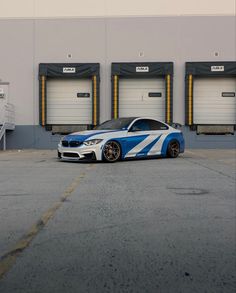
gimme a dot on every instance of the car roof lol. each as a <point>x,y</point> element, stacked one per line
<point>126,118</point>
<point>134,118</point>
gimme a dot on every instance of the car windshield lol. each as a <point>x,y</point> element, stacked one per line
<point>121,123</point>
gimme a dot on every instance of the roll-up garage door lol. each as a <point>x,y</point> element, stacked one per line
<point>214,101</point>
<point>142,97</point>
<point>69,101</point>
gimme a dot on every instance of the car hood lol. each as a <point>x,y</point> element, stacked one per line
<point>92,134</point>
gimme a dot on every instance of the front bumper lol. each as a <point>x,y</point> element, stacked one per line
<point>80,153</point>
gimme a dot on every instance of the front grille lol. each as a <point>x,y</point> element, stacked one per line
<point>71,155</point>
<point>72,143</point>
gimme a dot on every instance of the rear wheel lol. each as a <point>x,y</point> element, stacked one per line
<point>173,149</point>
<point>111,151</point>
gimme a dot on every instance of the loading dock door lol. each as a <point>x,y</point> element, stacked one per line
<point>142,97</point>
<point>69,101</point>
<point>214,101</point>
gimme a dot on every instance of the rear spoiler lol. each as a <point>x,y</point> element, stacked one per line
<point>176,125</point>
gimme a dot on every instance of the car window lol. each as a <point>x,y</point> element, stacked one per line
<point>157,125</point>
<point>148,124</point>
<point>141,125</point>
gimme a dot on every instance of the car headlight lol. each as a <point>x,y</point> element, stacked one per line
<point>62,138</point>
<point>92,142</point>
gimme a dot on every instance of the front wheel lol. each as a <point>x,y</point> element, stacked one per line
<point>173,149</point>
<point>111,151</point>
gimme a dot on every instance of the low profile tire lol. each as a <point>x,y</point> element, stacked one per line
<point>111,151</point>
<point>173,149</point>
<point>58,155</point>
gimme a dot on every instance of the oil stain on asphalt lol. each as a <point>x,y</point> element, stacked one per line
<point>189,191</point>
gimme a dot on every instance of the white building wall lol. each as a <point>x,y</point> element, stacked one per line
<point>109,8</point>
<point>46,31</point>
<point>26,43</point>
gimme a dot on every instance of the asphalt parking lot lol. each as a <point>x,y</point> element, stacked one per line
<point>155,226</point>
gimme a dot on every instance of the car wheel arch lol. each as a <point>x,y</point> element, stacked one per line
<point>172,141</point>
<point>116,141</point>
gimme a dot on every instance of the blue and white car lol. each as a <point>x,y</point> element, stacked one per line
<point>123,138</point>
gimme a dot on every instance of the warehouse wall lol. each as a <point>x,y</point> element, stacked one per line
<point>108,8</point>
<point>26,43</point>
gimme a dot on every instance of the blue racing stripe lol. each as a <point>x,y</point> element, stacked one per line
<point>147,148</point>
<point>83,137</point>
<point>128,143</point>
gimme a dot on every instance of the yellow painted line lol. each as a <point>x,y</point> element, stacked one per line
<point>43,100</point>
<point>9,258</point>
<point>190,99</point>
<point>94,100</point>
<point>168,99</point>
<point>115,96</point>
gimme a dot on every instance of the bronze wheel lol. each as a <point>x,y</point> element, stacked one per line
<point>173,149</point>
<point>111,151</point>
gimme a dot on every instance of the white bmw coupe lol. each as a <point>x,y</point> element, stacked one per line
<point>123,138</point>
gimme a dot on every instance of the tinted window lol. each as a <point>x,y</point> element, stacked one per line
<point>156,125</point>
<point>121,123</point>
<point>148,124</point>
<point>141,125</point>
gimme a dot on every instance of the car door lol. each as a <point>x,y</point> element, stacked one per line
<point>160,131</point>
<point>140,139</point>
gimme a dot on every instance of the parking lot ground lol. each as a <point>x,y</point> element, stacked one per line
<point>160,225</point>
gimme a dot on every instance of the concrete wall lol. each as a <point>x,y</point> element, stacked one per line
<point>27,42</point>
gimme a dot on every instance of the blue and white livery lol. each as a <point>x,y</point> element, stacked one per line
<point>123,138</point>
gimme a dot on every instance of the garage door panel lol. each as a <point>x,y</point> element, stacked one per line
<point>134,98</point>
<point>146,105</point>
<point>73,104</point>
<point>208,104</point>
<point>73,117</point>
<point>219,106</point>
<point>137,112</point>
<point>155,104</point>
<point>217,96</point>
<point>211,95</point>
<point>63,105</point>
<point>144,83</point>
<point>135,95</point>
<point>70,120</point>
<point>70,109</point>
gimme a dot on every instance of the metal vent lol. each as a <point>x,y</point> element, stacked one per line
<point>71,155</point>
